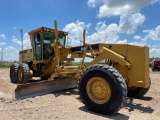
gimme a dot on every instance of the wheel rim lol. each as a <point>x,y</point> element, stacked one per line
<point>98,90</point>
<point>20,75</point>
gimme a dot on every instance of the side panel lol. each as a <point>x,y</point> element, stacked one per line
<point>138,57</point>
<point>25,55</point>
<point>139,73</point>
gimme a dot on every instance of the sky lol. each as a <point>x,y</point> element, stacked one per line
<point>135,22</point>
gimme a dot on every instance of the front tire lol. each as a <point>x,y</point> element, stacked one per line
<point>102,89</point>
<point>23,73</point>
<point>13,72</point>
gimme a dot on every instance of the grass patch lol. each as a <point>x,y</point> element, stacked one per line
<point>5,64</point>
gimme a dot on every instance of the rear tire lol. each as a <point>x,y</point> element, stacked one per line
<point>13,73</point>
<point>102,89</point>
<point>23,73</point>
<point>138,92</point>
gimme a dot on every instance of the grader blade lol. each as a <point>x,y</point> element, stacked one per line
<point>43,87</point>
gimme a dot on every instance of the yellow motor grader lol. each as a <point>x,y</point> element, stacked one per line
<point>115,70</point>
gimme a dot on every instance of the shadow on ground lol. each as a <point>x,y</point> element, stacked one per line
<point>117,116</point>
<point>67,92</point>
<point>130,106</point>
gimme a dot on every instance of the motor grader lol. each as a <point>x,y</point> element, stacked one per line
<point>115,70</point>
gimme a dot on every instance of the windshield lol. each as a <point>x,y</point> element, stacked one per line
<point>49,38</point>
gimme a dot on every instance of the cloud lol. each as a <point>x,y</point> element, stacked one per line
<point>10,53</point>
<point>104,34</point>
<point>152,34</point>
<point>108,8</point>
<point>154,52</point>
<point>93,3</point>
<point>15,40</point>
<point>75,31</point>
<point>141,43</point>
<point>109,34</point>
<point>2,43</point>
<point>125,41</point>
<point>2,36</point>
<point>130,22</point>
<point>26,40</point>
<point>137,37</point>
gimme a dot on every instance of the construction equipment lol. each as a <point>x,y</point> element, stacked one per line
<point>103,82</point>
<point>155,64</point>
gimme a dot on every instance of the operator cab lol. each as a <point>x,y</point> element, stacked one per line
<point>42,39</point>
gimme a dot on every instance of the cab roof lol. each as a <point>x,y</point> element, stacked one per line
<point>43,29</point>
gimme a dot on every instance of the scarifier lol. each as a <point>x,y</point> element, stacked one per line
<point>114,71</point>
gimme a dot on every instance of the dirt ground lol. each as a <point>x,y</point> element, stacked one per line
<point>66,105</point>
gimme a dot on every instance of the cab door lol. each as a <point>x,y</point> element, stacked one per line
<point>37,46</point>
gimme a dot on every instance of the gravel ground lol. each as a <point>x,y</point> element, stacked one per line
<point>66,105</point>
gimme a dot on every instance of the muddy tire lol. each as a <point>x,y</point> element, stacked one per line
<point>102,89</point>
<point>13,72</point>
<point>23,73</point>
